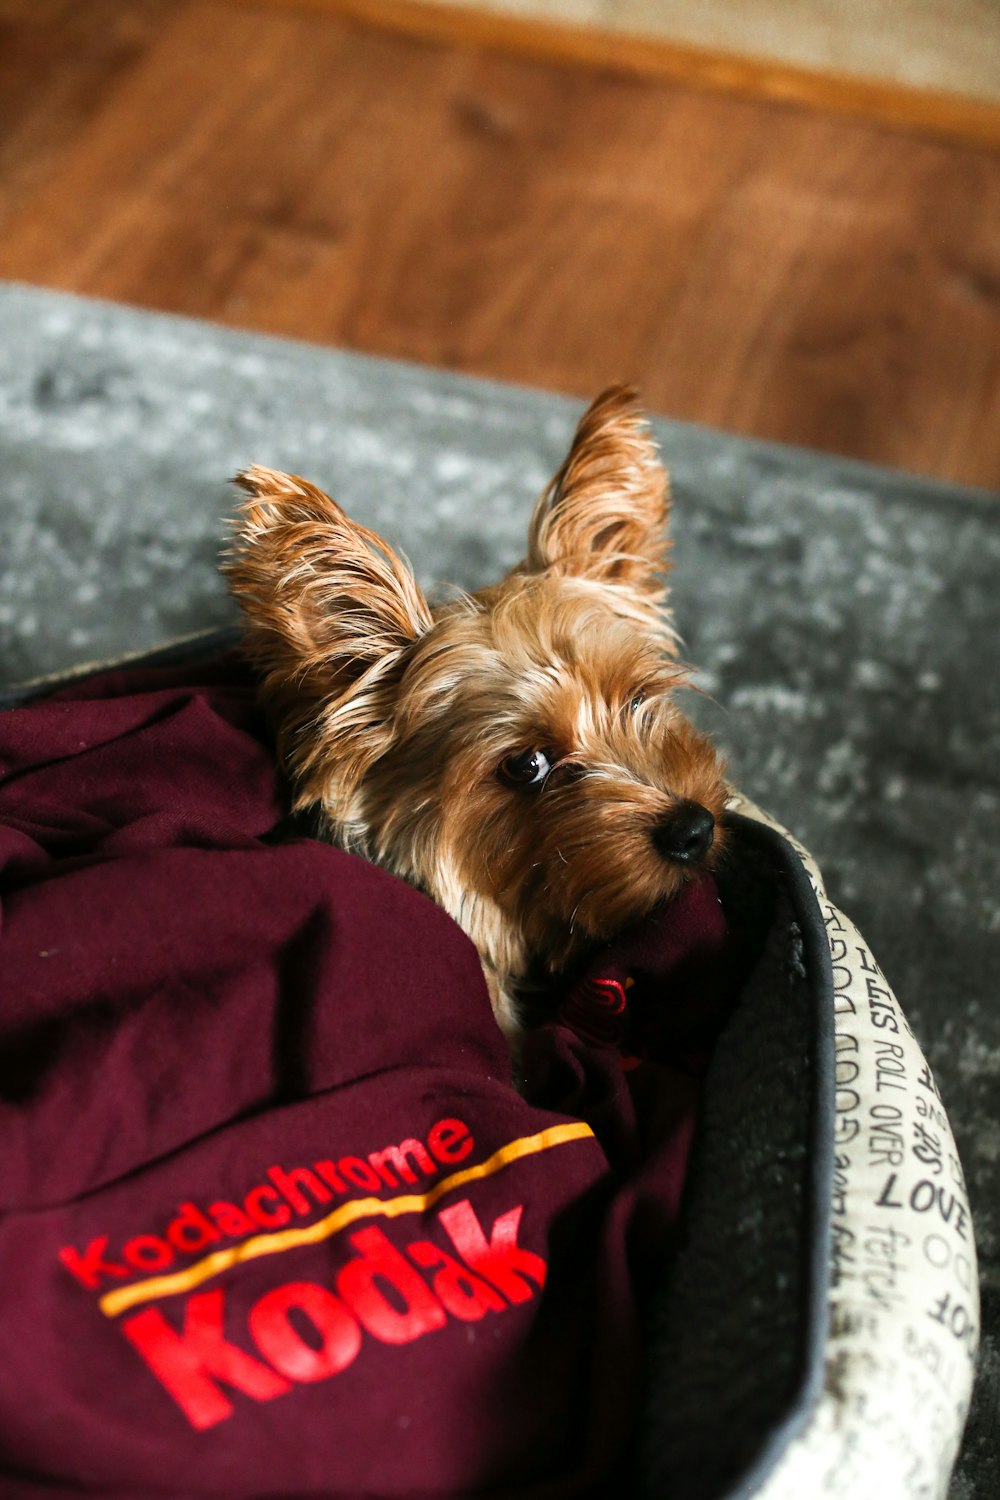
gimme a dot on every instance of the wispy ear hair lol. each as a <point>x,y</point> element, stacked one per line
<point>603,515</point>
<point>330,611</point>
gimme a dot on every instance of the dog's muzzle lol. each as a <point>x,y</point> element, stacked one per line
<point>686,834</point>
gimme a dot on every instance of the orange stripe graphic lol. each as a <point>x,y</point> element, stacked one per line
<point>118,1301</point>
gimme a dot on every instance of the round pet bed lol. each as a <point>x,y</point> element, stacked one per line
<point>805,1304</point>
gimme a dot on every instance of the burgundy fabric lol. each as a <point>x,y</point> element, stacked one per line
<point>274,1220</point>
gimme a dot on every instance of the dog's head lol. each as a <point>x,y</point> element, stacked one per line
<point>518,752</point>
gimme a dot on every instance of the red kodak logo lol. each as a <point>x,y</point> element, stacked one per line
<point>280,1199</point>
<point>381,1293</point>
<point>200,1364</point>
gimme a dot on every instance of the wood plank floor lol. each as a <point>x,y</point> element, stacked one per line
<point>765,269</point>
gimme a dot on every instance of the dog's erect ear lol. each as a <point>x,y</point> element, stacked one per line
<point>603,516</point>
<point>330,609</point>
<point>334,593</point>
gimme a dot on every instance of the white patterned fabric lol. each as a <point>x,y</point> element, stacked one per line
<point>904,1295</point>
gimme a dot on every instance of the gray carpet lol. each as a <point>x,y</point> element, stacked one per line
<point>845,619</point>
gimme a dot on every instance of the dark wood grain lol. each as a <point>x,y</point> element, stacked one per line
<point>762,268</point>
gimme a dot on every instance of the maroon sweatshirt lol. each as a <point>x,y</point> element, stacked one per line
<point>275,1221</point>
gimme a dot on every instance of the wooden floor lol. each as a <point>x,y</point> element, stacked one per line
<point>766,269</point>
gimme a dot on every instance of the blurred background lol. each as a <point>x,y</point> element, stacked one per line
<point>779,217</point>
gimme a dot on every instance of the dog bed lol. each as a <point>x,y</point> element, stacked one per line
<point>276,1222</point>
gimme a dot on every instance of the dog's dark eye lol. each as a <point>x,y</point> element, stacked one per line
<point>527,768</point>
<point>637,702</point>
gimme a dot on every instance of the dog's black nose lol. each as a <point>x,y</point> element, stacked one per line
<point>686,834</point>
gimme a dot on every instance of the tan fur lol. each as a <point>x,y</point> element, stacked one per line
<point>394,719</point>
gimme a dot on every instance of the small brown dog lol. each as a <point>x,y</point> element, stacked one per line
<point>516,753</point>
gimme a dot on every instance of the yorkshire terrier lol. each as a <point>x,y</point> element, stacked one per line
<point>516,753</point>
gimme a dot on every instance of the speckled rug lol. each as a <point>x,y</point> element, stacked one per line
<point>845,620</point>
